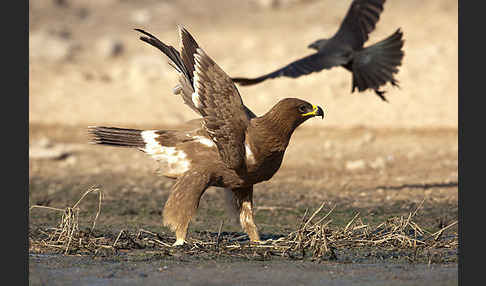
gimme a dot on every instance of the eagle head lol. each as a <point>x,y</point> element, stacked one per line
<point>289,113</point>
<point>299,109</point>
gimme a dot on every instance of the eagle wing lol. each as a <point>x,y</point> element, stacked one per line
<point>219,102</point>
<point>209,91</point>
<point>178,63</point>
<point>360,20</point>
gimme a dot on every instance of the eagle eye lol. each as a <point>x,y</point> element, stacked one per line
<point>302,109</point>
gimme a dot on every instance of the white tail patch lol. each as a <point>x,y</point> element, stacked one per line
<point>176,160</point>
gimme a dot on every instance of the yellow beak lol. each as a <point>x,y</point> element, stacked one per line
<point>316,111</point>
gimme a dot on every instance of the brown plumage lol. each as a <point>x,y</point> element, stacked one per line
<point>229,147</point>
<point>372,66</point>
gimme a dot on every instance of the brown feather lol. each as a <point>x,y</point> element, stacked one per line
<point>228,147</point>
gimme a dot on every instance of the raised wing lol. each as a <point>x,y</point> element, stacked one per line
<point>209,91</point>
<point>178,63</point>
<point>225,117</point>
<point>360,20</point>
<point>309,64</point>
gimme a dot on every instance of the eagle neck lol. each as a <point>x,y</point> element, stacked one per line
<point>275,133</point>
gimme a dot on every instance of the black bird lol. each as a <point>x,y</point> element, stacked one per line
<point>371,66</point>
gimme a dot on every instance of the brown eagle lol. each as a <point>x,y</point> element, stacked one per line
<point>229,147</point>
<point>371,66</point>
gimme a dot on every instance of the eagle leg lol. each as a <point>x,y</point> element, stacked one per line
<point>239,202</point>
<point>183,202</point>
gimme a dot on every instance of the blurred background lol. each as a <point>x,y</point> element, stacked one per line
<point>88,67</point>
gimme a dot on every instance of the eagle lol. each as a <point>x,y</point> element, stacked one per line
<point>227,147</point>
<point>371,67</point>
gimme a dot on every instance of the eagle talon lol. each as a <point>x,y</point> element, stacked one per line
<point>179,242</point>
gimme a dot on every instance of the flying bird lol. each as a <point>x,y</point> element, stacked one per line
<point>228,146</point>
<point>371,67</point>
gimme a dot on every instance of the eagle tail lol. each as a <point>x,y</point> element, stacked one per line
<point>375,65</point>
<point>121,137</point>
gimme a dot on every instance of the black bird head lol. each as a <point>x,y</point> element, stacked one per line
<point>317,45</point>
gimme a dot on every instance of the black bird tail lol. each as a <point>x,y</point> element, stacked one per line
<point>375,65</point>
<point>114,136</point>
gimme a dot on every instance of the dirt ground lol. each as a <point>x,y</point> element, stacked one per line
<point>381,160</point>
<point>386,176</point>
<point>46,271</point>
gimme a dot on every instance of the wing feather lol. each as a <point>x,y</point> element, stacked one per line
<point>304,66</point>
<point>209,91</point>
<point>360,20</point>
<point>225,117</point>
<point>178,63</point>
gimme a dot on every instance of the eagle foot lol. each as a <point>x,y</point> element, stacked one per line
<point>178,242</point>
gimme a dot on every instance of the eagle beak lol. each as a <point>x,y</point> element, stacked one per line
<point>320,112</point>
<point>316,111</point>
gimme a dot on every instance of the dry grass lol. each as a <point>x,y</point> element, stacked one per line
<point>321,239</point>
<point>67,232</point>
<point>315,237</point>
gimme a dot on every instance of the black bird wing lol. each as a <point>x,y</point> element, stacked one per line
<point>309,64</point>
<point>360,20</point>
